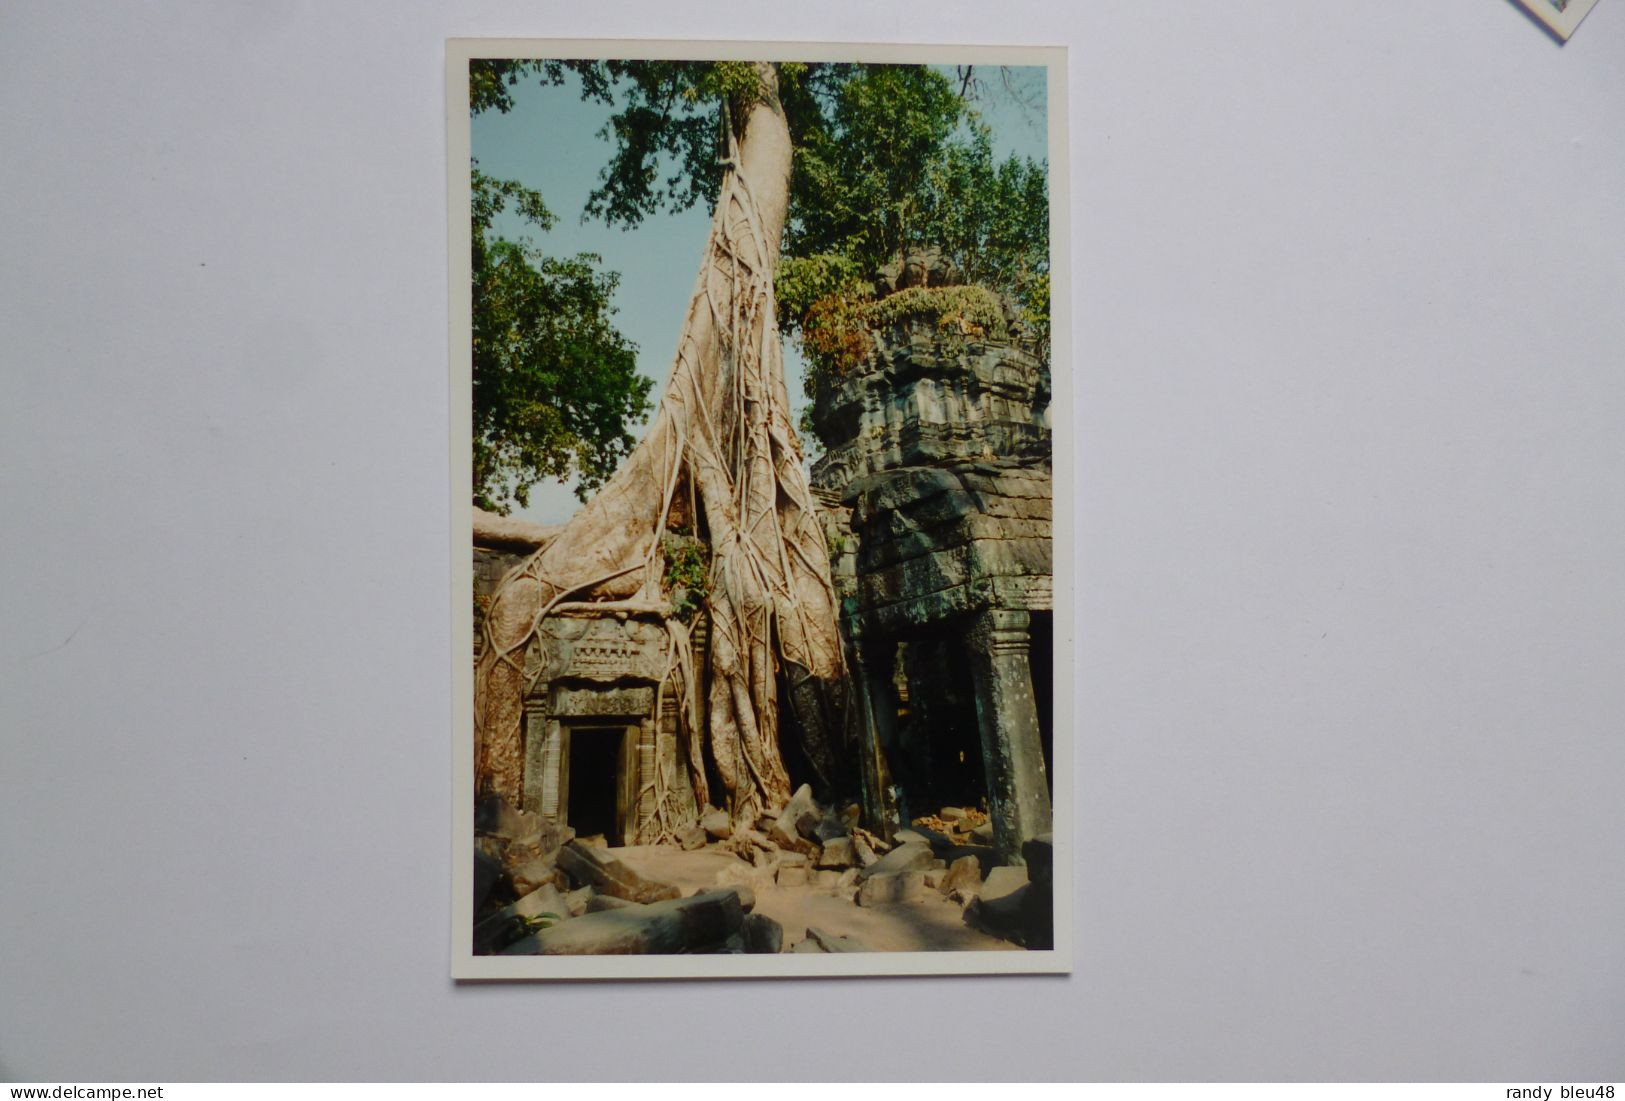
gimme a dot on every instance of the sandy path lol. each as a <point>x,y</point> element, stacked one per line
<point>932,925</point>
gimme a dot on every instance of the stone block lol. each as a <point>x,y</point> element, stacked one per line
<point>1003,916</point>
<point>796,825</point>
<point>507,925</point>
<point>716,823</point>
<point>839,852</point>
<point>983,834</point>
<point>597,903</point>
<point>744,875</point>
<point>884,890</point>
<point>608,876</point>
<point>692,838</point>
<point>952,814</point>
<point>541,846</point>
<point>1004,880</point>
<point>864,852</point>
<point>827,880</point>
<point>762,935</point>
<point>792,875</point>
<point>831,827</point>
<point>546,899</point>
<point>531,876</point>
<point>914,856</point>
<point>1039,853</point>
<point>828,942</point>
<point>697,923</point>
<point>963,875</point>
<point>487,870</point>
<point>934,878</point>
<point>921,835</point>
<point>494,816</point>
<point>847,884</point>
<point>1038,917</point>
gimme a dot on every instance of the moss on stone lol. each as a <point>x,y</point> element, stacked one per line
<point>838,331</point>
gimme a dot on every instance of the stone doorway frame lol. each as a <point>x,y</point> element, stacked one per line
<point>551,717</point>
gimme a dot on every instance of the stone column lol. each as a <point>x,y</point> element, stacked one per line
<point>645,783</point>
<point>535,739</point>
<point>551,758</point>
<point>879,721</point>
<point>1012,747</point>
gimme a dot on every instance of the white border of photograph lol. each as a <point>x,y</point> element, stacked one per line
<point>1560,21</point>
<point>466,965</point>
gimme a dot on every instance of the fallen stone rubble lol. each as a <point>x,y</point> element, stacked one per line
<point>539,890</point>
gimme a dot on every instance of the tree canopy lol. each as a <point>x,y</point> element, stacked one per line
<point>888,159</point>
<point>555,383</point>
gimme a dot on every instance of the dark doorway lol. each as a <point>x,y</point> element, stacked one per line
<point>595,781</point>
<point>942,743</point>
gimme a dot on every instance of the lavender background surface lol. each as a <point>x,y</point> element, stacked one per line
<point>1349,492</point>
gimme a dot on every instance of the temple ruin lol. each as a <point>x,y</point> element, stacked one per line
<point>937,475</point>
<point>934,490</point>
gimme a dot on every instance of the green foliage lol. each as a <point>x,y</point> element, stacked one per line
<point>688,574</point>
<point>900,164</point>
<point>838,332</point>
<point>520,926</point>
<point>804,280</point>
<point>991,220</point>
<point>489,79</point>
<point>811,445</point>
<point>862,168</point>
<point>555,384</point>
<point>888,159</point>
<point>666,137</point>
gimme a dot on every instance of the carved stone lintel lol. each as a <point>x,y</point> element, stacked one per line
<point>624,702</point>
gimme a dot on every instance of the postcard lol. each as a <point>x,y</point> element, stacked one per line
<point>1561,17</point>
<point>757,353</point>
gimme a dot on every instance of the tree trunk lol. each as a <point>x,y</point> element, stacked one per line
<point>722,434</point>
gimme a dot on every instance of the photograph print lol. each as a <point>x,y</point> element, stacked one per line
<point>756,637</point>
<point>1560,17</point>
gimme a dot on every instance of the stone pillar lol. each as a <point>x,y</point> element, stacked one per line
<point>645,784</point>
<point>552,760</point>
<point>535,738</point>
<point>878,735</point>
<point>1012,748</point>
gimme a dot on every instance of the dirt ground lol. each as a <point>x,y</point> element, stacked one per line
<point>932,925</point>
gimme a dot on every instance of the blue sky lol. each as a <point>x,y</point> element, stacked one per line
<point>550,141</point>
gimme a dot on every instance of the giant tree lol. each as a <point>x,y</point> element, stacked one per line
<point>721,457</point>
<point>722,444</point>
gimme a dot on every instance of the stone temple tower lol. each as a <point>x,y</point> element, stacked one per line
<point>937,481</point>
